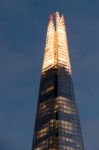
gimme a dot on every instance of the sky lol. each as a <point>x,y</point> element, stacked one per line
<point>23,26</point>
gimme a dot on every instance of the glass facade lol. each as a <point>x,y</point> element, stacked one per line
<point>57,125</point>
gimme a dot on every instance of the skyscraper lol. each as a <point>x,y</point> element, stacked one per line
<point>57,125</point>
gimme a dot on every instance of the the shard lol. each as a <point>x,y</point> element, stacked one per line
<point>57,125</point>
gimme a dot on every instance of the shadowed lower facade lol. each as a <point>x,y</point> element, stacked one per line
<point>57,125</point>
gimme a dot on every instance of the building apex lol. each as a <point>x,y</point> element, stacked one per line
<point>56,19</point>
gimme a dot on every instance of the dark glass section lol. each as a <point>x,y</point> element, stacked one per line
<point>57,125</point>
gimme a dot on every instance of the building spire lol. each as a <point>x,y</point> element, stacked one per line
<point>57,125</point>
<point>56,49</point>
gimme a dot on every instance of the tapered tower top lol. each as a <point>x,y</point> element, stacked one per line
<point>57,125</point>
<point>56,49</point>
<point>56,18</point>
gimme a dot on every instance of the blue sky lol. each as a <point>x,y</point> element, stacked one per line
<point>23,25</point>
